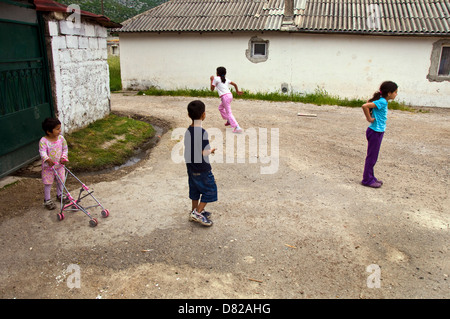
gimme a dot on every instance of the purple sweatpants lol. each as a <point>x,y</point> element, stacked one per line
<point>225,109</point>
<point>373,148</point>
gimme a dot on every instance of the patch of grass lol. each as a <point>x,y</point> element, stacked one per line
<point>319,97</point>
<point>9,185</point>
<point>106,143</point>
<point>115,81</point>
<point>179,92</point>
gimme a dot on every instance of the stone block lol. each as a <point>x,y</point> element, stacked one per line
<point>65,57</point>
<point>59,42</point>
<point>102,44</point>
<point>93,43</point>
<point>83,42</point>
<point>55,59</point>
<point>101,31</point>
<point>89,30</point>
<point>77,55</point>
<point>53,29</point>
<point>72,42</point>
<point>68,27</point>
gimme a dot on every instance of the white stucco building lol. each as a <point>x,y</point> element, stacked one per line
<point>346,48</point>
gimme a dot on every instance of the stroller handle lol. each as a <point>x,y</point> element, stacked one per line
<point>58,164</point>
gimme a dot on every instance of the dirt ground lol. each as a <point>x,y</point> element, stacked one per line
<point>307,230</point>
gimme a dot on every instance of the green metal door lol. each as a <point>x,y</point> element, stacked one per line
<point>25,98</point>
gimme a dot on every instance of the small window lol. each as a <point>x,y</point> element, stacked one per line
<point>444,64</point>
<point>440,62</point>
<point>259,48</point>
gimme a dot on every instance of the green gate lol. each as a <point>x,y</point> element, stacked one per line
<point>25,96</point>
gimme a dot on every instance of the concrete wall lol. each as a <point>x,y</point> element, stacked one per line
<point>345,65</point>
<point>79,71</point>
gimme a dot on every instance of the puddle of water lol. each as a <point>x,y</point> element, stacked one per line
<point>141,152</point>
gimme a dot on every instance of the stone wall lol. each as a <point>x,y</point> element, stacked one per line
<point>79,71</point>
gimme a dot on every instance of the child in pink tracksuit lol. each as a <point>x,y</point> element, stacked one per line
<point>52,149</point>
<point>222,85</point>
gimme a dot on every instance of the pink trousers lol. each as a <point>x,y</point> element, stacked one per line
<point>225,109</point>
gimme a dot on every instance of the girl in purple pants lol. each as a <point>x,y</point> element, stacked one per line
<point>376,110</point>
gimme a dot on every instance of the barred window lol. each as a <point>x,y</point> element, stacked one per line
<point>440,62</point>
<point>444,64</point>
<point>258,50</point>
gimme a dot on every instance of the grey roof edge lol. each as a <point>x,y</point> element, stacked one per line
<point>317,31</point>
<point>315,20</point>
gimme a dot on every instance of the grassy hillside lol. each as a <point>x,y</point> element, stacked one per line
<point>116,10</point>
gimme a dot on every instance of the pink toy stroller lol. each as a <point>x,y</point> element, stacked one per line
<point>74,204</point>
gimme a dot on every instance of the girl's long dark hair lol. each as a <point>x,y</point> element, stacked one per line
<point>385,88</point>
<point>221,71</point>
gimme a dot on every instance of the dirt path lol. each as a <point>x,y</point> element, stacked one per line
<point>308,230</point>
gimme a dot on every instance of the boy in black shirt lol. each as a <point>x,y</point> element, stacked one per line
<point>196,155</point>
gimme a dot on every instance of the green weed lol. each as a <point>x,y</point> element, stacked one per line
<point>319,97</point>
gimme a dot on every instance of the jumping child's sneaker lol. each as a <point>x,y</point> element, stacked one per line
<point>49,204</point>
<point>200,218</point>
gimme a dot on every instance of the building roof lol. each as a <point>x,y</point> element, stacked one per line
<point>52,6</point>
<point>384,17</point>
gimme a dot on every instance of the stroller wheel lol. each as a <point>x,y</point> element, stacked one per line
<point>105,213</point>
<point>93,222</point>
<point>74,207</point>
<point>60,216</point>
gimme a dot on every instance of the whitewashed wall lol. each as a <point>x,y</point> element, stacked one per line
<point>80,72</point>
<point>345,65</point>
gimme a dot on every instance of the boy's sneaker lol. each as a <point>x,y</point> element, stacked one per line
<point>200,218</point>
<point>227,123</point>
<point>206,214</point>
<point>237,129</point>
<point>65,199</point>
<point>49,204</point>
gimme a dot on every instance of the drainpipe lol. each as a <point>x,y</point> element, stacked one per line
<point>288,17</point>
